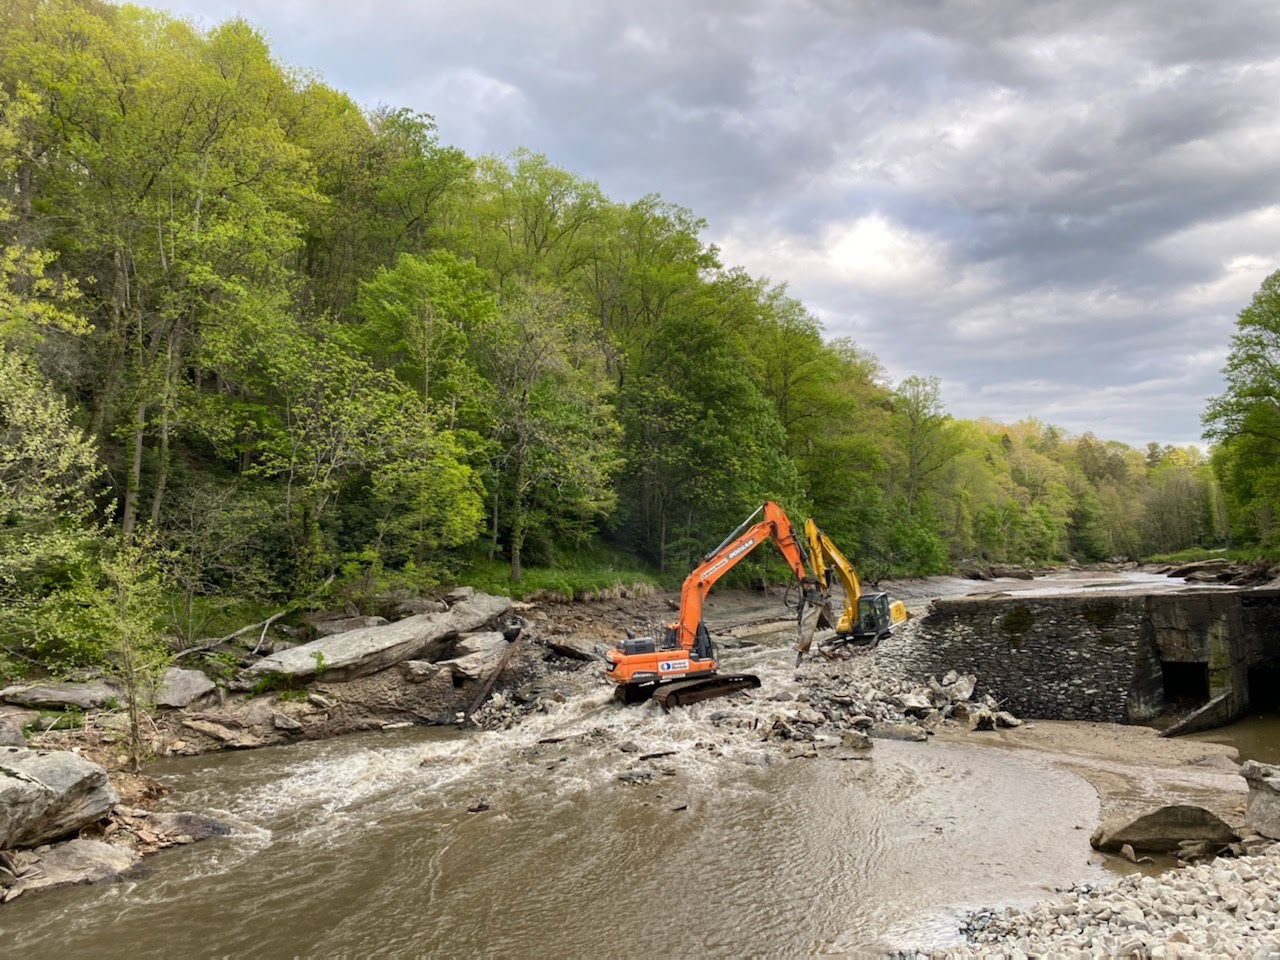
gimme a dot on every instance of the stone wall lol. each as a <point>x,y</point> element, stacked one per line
<point>1101,657</point>
<point>1061,657</point>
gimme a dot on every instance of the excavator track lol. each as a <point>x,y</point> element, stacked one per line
<point>847,649</point>
<point>684,692</point>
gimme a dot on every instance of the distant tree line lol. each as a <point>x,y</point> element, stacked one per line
<point>257,338</point>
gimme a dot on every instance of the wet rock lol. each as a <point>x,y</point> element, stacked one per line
<point>365,651</point>
<point>577,648</point>
<point>58,696</point>
<point>1263,809</point>
<point>73,862</point>
<point>187,827</point>
<point>540,689</point>
<point>1191,850</point>
<point>634,776</point>
<point>898,731</point>
<point>46,794</point>
<point>1162,830</point>
<point>231,738</point>
<point>782,696</point>
<point>980,718</point>
<point>630,746</point>
<point>1004,718</point>
<point>180,688</point>
<point>331,628</point>
<point>855,740</point>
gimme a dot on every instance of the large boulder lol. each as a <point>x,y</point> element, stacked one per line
<point>59,696</point>
<point>46,794</point>
<point>359,653</point>
<point>475,655</point>
<point>179,688</point>
<point>1162,830</point>
<point>1263,810</point>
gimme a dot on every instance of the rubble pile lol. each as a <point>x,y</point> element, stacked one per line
<point>1225,908</point>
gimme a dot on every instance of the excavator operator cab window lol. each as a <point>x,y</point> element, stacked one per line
<point>873,613</point>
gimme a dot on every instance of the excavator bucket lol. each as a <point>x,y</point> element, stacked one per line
<point>814,611</point>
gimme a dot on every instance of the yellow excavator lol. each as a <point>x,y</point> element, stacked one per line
<point>867,618</point>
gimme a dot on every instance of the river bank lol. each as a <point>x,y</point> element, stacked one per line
<point>747,793</point>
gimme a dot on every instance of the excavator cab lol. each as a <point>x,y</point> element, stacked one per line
<point>877,616</point>
<point>873,616</point>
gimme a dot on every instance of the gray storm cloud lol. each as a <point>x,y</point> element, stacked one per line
<point>1056,208</point>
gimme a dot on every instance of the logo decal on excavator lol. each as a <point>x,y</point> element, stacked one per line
<point>666,666</point>
<point>729,557</point>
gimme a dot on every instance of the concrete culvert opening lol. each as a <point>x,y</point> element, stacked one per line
<point>1185,684</point>
<point>1264,688</point>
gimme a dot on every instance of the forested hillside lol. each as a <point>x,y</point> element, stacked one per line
<point>274,343</point>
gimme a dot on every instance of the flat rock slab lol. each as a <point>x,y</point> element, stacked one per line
<point>179,688</point>
<point>1263,810</point>
<point>76,861</point>
<point>58,696</point>
<point>358,653</point>
<point>46,794</point>
<point>1162,830</point>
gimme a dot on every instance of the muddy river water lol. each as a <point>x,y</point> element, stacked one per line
<point>435,842</point>
<point>364,847</point>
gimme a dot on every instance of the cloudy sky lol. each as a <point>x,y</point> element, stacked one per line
<point>1056,208</point>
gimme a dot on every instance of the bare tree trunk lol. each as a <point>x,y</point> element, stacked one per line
<point>129,516</point>
<point>162,467</point>
<point>493,543</point>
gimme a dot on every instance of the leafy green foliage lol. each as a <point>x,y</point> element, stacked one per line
<point>298,349</point>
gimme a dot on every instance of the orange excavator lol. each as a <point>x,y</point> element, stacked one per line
<point>682,667</point>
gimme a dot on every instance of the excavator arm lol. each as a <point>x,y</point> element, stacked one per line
<point>866,618</point>
<point>775,526</point>
<point>827,557</point>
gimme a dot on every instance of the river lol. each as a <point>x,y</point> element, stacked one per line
<point>434,842</point>
<point>364,847</point>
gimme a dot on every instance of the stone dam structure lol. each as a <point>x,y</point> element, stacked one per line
<point>1204,655</point>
